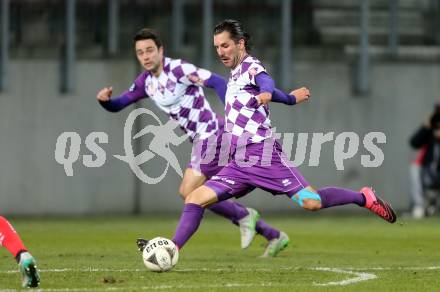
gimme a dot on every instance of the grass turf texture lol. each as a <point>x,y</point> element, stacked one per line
<point>100,254</point>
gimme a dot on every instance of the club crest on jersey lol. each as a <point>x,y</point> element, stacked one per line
<point>171,85</point>
<point>161,88</point>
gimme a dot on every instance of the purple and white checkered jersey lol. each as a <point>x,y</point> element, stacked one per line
<point>181,98</point>
<point>244,117</point>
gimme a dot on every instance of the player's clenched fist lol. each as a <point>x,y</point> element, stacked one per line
<point>301,94</point>
<point>105,93</point>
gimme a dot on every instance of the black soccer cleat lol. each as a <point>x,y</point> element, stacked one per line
<point>141,244</point>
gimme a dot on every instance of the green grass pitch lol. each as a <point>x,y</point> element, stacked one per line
<point>327,253</point>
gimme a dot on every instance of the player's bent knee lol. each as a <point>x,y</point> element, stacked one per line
<point>188,199</point>
<point>193,198</point>
<point>203,196</point>
<point>184,191</point>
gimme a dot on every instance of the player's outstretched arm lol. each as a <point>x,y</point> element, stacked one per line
<point>282,97</point>
<point>135,93</point>
<point>266,84</point>
<point>300,94</point>
<point>295,97</point>
<point>125,99</point>
<point>267,87</point>
<point>112,105</point>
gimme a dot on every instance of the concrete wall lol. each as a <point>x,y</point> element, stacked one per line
<point>33,114</point>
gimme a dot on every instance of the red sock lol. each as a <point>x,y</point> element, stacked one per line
<point>9,238</point>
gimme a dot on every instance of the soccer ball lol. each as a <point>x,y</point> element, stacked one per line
<point>160,255</point>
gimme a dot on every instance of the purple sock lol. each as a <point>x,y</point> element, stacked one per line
<point>265,230</point>
<point>230,210</point>
<point>262,227</point>
<point>334,196</point>
<point>189,222</point>
<point>234,211</point>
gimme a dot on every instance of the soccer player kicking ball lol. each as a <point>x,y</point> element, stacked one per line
<point>175,87</point>
<point>12,242</point>
<point>247,120</point>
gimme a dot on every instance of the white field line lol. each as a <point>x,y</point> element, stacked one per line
<point>239,269</point>
<point>360,276</point>
<point>156,287</point>
<point>356,272</point>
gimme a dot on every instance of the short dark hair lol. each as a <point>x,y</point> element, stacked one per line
<point>236,30</point>
<point>435,121</point>
<point>148,34</point>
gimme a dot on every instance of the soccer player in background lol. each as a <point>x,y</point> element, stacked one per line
<point>175,87</point>
<point>425,171</point>
<point>10,239</point>
<point>247,120</point>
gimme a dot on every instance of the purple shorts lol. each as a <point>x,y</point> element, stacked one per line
<point>273,172</point>
<point>208,156</point>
